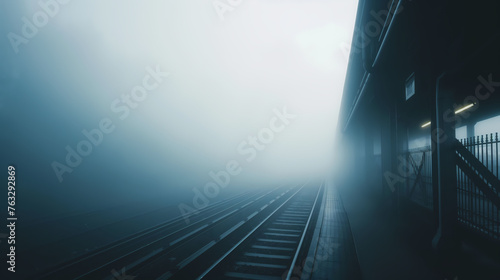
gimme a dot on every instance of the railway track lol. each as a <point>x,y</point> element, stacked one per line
<point>263,232</point>
<point>269,250</point>
<point>77,267</point>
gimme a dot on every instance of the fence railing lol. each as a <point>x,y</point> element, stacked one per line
<point>475,210</point>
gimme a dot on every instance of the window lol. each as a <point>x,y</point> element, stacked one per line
<point>410,86</point>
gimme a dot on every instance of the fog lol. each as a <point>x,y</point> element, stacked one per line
<point>273,70</point>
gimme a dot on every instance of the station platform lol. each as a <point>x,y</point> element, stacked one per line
<point>332,253</point>
<point>386,248</point>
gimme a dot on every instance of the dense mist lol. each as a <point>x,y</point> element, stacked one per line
<point>106,103</point>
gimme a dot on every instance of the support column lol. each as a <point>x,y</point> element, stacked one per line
<point>435,180</point>
<point>445,241</point>
<point>470,129</point>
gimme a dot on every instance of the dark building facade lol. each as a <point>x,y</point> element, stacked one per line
<point>420,118</point>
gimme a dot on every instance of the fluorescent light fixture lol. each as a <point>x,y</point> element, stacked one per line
<point>456,112</point>
<point>464,108</point>
<point>426,124</point>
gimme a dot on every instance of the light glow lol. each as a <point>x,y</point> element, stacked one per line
<point>456,112</point>
<point>426,124</point>
<point>463,108</point>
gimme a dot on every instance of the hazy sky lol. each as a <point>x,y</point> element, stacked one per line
<point>226,78</point>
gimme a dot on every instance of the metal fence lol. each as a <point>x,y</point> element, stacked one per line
<point>418,186</point>
<point>475,211</point>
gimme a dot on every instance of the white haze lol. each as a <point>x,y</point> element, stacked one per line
<point>226,79</point>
